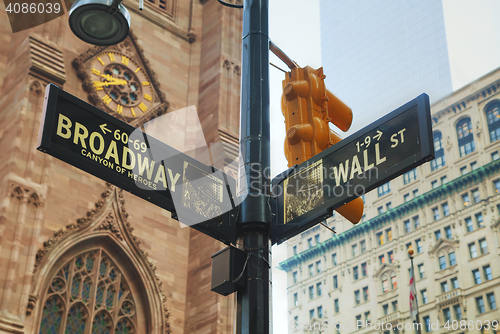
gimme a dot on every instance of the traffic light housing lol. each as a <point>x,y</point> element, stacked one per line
<point>308,107</point>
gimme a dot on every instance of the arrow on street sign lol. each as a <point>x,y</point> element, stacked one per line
<point>82,135</point>
<point>396,143</point>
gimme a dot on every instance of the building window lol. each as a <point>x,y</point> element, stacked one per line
<point>384,189</point>
<point>318,266</point>
<point>311,270</point>
<point>406,198</point>
<point>493,117</point>
<point>437,234</point>
<point>311,314</point>
<point>355,273</point>
<point>496,183</point>
<point>388,206</point>
<point>294,250</point>
<point>425,298</point>
<point>335,282</point>
<point>336,306</point>
<point>434,184</point>
<point>495,156</point>
<point>407,226</point>
<point>310,242</point>
<point>420,248</point>
<point>296,319</point>
<point>477,276</point>
<point>365,294</point>
<point>394,306</point>
<point>394,282</point>
<point>354,250</point>
<point>390,255</point>
<point>447,231</point>
<point>319,289</point>
<point>491,301</point>
<point>487,273</point>
<point>363,246</point>
<point>442,262</point>
<point>466,199</point>
<point>458,312</point>
<point>446,209</point>
<point>91,279</point>
<point>356,297</point>
<point>416,222</point>
<point>484,246</point>
<point>427,322</point>
<point>474,166</point>
<point>463,170</point>
<point>454,282</point>
<point>465,137</point>
<point>311,292</point>
<point>380,238</point>
<point>439,160</point>
<point>480,305</point>
<point>415,193</point>
<point>476,196</point>
<point>453,260</point>
<point>435,213</point>
<point>410,176</point>
<point>386,309</point>
<point>381,259</point>
<point>385,285</point>
<point>358,318</point>
<point>472,250</point>
<point>445,287</point>
<point>468,224</point>
<point>388,233</point>
<point>334,259</point>
<point>444,179</point>
<point>479,220</point>
<point>320,312</point>
<point>421,270</point>
<point>295,300</point>
<point>294,275</point>
<point>316,238</point>
<point>447,315</point>
<point>364,269</point>
<point>367,317</point>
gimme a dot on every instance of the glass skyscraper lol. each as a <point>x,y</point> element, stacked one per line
<point>379,54</point>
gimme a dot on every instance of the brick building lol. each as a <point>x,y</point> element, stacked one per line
<point>76,253</point>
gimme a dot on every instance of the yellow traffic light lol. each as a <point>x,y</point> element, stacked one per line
<point>308,107</point>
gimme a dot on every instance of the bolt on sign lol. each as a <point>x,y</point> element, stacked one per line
<point>387,148</point>
<point>80,134</point>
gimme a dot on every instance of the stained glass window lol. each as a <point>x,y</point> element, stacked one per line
<point>88,291</point>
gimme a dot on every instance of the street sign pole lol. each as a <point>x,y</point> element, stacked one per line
<point>254,216</point>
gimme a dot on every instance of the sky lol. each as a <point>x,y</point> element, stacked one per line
<point>472,35</point>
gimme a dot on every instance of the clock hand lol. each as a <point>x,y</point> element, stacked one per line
<point>112,79</point>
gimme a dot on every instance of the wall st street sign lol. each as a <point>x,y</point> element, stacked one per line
<point>104,146</point>
<point>394,144</point>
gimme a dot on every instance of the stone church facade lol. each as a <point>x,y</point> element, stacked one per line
<point>78,254</point>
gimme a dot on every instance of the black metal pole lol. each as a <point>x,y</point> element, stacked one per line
<point>254,217</point>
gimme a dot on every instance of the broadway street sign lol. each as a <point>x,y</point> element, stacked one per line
<point>104,146</point>
<point>308,193</point>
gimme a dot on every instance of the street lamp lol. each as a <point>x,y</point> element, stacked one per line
<point>99,22</point>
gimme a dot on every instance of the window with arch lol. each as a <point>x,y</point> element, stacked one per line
<point>446,258</point>
<point>465,137</point>
<point>439,160</point>
<point>389,281</point>
<point>493,118</point>
<point>88,294</point>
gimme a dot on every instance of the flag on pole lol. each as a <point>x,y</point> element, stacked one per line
<point>413,297</point>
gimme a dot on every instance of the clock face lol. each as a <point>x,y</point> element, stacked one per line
<point>122,84</point>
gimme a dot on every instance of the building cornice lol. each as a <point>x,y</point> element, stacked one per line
<point>401,211</point>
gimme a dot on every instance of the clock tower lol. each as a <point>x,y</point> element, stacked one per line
<point>77,254</point>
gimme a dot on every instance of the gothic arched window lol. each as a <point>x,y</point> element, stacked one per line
<point>465,138</point>
<point>88,291</point>
<point>439,160</point>
<point>493,117</point>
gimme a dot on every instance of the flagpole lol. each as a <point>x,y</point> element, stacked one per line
<point>417,318</point>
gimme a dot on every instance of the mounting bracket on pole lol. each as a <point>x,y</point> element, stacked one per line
<point>281,55</point>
